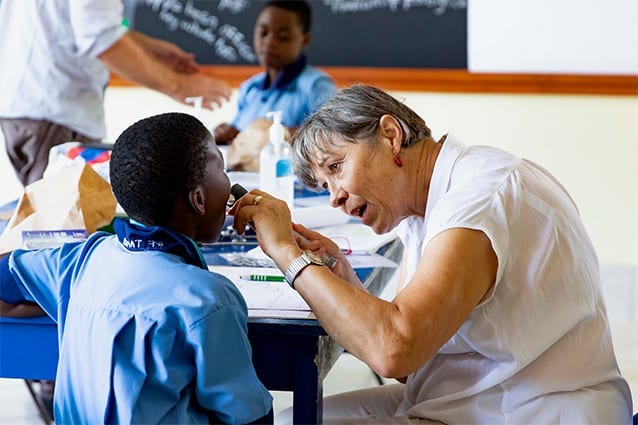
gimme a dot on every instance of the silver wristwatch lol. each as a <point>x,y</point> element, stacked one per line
<point>298,264</point>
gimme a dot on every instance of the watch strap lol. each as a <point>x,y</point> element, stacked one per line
<point>297,265</point>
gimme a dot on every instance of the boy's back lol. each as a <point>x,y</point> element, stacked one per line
<point>146,319</point>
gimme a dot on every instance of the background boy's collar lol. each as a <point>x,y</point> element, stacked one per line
<point>287,76</point>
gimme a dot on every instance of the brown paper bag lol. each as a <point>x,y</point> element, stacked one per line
<point>243,153</point>
<point>74,198</point>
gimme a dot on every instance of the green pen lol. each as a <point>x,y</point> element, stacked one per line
<point>262,278</point>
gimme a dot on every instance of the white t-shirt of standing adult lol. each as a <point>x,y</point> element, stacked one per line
<point>49,66</point>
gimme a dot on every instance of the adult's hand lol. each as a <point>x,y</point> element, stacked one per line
<point>270,217</point>
<point>213,91</point>
<point>322,244</point>
<point>168,53</point>
<point>130,59</point>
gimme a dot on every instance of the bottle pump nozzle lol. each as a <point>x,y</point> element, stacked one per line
<point>276,131</point>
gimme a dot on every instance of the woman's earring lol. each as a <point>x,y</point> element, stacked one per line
<point>397,161</point>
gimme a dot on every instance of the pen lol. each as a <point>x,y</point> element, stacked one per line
<point>262,278</point>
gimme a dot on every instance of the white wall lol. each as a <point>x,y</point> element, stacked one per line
<point>589,142</point>
<point>555,36</point>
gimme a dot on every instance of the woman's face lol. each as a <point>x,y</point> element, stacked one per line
<point>363,182</point>
<point>278,38</point>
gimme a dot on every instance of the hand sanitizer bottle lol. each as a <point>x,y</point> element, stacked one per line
<point>275,167</point>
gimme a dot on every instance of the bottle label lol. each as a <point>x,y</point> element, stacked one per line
<point>284,168</point>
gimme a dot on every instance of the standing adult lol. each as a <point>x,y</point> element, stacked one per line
<point>499,315</point>
<point>55,59</point>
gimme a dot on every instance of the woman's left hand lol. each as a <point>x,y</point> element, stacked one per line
<point>321,244</point>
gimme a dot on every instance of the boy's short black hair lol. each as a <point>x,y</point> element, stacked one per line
<point>300,7</point>
<point>157,160</point>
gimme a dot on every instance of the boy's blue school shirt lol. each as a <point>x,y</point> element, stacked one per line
<point>296,98</point>
<point>144,338</point>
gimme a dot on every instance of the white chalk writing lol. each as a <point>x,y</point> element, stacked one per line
<point>234,6</point>
<point>171,21</point>
<point>227,40</point>
<point>439,7</point>
<point>238,41</point>
<point>174,6</point>
<point>193,28</point>
<point>199,20</point>
<point>202,17</point>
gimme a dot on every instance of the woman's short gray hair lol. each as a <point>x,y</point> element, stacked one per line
<point>351,115</point>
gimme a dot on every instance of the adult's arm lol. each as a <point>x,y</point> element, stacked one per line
<point>26,309</point>
<point>394,338</point>
<point>164,68</point>
<point>167,53</point>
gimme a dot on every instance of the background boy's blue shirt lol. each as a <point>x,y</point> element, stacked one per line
<point>144,337</point>
<point>296,101</point>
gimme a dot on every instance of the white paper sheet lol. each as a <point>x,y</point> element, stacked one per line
<point>263,295</point>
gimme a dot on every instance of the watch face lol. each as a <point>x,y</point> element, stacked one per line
<point>316,259</point>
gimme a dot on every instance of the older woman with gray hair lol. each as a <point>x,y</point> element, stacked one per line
<point>498,316</point>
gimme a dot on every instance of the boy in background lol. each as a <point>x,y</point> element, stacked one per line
<point>147,334</point>
<point>288,83</point>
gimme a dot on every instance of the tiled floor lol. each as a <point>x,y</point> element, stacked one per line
<point>621,294</point>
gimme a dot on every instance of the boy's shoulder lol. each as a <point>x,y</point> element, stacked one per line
<point>310,75</point>
<point>307,78</point>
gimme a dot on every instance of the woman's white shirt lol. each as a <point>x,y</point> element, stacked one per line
<point>538,347</point>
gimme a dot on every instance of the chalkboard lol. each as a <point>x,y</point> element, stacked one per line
<point>347,33</point>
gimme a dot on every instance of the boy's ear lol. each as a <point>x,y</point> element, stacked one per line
<point>197,199</point>
<point>306,39</point>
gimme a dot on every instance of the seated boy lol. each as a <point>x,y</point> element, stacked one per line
<point>147,334</point>
<point>288,84</point>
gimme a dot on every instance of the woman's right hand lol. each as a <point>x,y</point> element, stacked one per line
<point>270,217</point>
